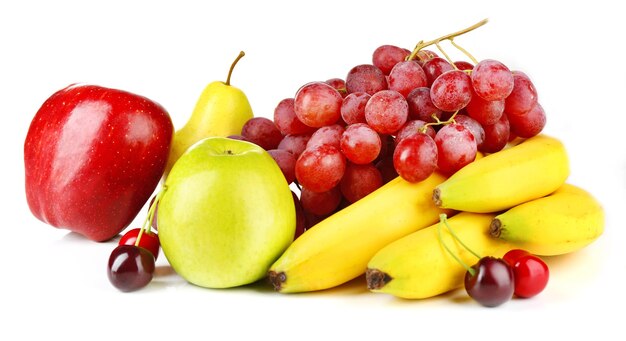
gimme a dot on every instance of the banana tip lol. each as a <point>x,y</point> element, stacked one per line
<point>376,279</point>
<point>495,228</point>
<point>277,279</point>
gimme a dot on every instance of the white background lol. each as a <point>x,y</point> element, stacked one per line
<point>53,283</point>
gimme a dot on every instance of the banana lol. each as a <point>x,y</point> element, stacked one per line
<point>565,221</point>
<point>418,266</point>
<point>532,169</point>
<point>338,248</point>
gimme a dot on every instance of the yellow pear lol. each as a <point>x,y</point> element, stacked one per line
<point>221,110</point>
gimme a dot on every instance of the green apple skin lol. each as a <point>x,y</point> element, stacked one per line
<point>226,214</point>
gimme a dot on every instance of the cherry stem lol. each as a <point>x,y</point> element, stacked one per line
<point>232,66</point>
<point>422,44</point>
<point>443,220</point>
<point>147,225</point>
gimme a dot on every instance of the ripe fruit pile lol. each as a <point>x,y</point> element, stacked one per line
<point>407,113</point>
<point>343,143</point>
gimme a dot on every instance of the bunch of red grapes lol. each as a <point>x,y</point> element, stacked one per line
<point>406,114</point>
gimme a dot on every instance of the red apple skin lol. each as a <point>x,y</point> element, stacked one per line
<point>93,156</point>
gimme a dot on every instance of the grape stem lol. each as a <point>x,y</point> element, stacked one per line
<point>465,52</point>
<point>443,220</point>
<point>147,225</point>
<point>232,66</point>
<point>437,122</point>
<point>422,44</point>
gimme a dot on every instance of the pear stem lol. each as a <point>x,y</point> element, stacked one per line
<point>232,66</point>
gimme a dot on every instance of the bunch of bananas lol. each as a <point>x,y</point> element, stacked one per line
<point>516,198</point>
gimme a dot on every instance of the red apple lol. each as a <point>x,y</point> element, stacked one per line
<point>93,156</point>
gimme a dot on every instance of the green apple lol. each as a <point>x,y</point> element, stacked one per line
<point>226,214</point>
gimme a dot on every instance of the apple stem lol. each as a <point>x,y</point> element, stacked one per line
<point>232,67</point>
<point>443,220</point>
<point>147,225</point>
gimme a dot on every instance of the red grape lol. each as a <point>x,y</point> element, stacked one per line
<point>330,135</point>
<point>451,91</point>
<point>485,112</point>
<point>320,168</point>
<point>386,147</point>
<point>492,80</point>
<point>523,97</point>
<point>320,203</point>
<point>365,78</point>
<point>435,67</point>
<point>530,123</point>
<point>493,282</point>
<point>421,107</point>
<point>496,135</point>
<point>130,267</point>
<point>312,219</point>
<point>295,144</point>
<point>386,168</point>
<point>318,104</point>
<point>339,85</point>
<point>456,147</point>
<point>425,55</point>
<point>406,76</point>
<point>473,126</point>
<point>148,241</point>
<point>386,56</point>
<point>263,132</point>
<point>415,157</point>
<point>286,120</point>
<point>359,181</point>
<point>360,143</point>
<point>463,65</point>
<point>411,128</point>
<point>353,107</point>
<point>286,161</point>
<point>386,111</point>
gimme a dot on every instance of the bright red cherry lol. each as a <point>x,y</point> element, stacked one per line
<point>531,272</point>
<point>148,241</point>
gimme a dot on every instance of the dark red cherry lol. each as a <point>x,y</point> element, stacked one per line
<point>492,283</point>
<point>130,267</point>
